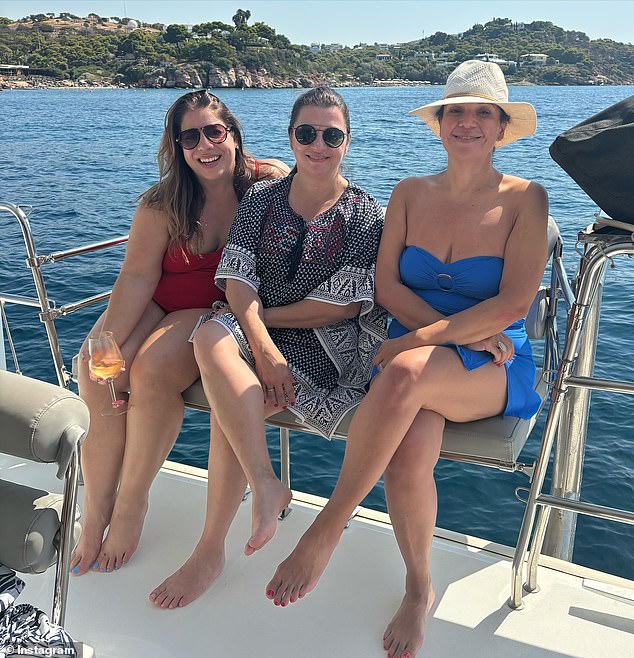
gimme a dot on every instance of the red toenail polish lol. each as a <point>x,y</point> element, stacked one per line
<point>276,602</point>
<point>269,592</point>
<point>283,604</point>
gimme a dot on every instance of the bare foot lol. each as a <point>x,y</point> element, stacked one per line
<point>269,500</point>
<point>191,580</point>
<point>403,636</point>
<point>301,570</point>
<point>93,525</point>
<point>123,535</point>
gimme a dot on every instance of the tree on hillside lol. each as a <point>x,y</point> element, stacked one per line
<point>176,34</point>
<point>240,18</point>
<point>213,29</point>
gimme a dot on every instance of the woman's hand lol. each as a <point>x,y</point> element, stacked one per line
<point>500,346</point>
<point>276,378</point>
<point>388,350</point>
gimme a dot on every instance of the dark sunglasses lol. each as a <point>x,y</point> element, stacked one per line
<point>307,134</point>
<point>216,133</point>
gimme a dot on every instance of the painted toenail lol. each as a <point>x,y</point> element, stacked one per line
<point>116,568</point>
<point>283,604</point>
<point>76,570</point>
<point>95,565</point>
<point>270,592</point>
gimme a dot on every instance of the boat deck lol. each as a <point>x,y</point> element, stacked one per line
<point>346,614</point>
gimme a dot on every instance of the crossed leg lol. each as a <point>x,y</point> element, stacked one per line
<point>430,378</point>
<point>413,519</point>
<point>238,455</point>
<point>225,488</point>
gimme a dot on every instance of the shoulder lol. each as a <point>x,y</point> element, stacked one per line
<point>146,213</point>
<point>264,190</point>
<point>362,209</point>
<point>523,186</point>
<point>270,169</point>
<point>528,194</point>
<point>360,196</point>
<point>414,185</point>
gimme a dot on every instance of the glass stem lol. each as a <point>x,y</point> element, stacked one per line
<point>113,393</point>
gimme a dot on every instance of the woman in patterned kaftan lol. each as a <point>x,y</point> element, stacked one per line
<point>300,333</point>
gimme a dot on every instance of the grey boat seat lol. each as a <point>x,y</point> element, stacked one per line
<point>496,441</point>
<point>43,423</point>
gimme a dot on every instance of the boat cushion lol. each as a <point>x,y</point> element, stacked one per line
<point>30,520</point>
<point>36,417</point>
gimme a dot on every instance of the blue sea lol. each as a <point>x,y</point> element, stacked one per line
<point>81,157</point>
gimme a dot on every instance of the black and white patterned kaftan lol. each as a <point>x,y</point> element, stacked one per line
<point>331,365</point>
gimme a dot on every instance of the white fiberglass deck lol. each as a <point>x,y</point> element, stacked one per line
<point>346,614</point>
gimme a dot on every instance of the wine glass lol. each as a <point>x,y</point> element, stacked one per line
<point>107,363</point>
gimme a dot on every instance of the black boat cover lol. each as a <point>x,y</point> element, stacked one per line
<point>598,154</point>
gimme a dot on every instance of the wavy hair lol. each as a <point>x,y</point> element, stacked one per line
<point>178,192</point>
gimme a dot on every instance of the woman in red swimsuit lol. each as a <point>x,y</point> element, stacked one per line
<point>165,283</point>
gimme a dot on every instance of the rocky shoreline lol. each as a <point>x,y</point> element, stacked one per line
<point>190,77</point>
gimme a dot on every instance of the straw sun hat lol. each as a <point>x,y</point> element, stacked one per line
<point>481,82</point>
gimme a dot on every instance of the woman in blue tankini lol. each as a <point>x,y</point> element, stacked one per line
<point>460,261</point>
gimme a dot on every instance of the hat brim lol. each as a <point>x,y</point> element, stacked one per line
<point>523,116</point>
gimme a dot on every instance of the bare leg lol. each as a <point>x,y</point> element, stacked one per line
<point>235,393</point>
<point>102,451</point>
<point>413,519</point>
<point>163,367</point>
<point>225,488</point>
<point>430,377</point>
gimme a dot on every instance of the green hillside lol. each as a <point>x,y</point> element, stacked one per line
<point>125,51</point>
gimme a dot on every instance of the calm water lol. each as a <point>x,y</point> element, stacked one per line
<point>81,157</point>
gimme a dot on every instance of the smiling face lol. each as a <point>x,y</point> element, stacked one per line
<point>209,161</point>
<point>319,159</point>
<point>471,127</point>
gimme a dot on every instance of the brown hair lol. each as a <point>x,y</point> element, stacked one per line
<point>178,193</point>
<point>321,96</point>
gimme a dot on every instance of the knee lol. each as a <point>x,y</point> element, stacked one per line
<point>406,370</point>
<point>146,369</point>
<point>206,343</point>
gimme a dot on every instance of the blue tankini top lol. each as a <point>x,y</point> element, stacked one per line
<point>453,287</point>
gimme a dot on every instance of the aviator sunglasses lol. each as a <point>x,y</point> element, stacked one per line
<point>216,133</point>
<point>306,134</point>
